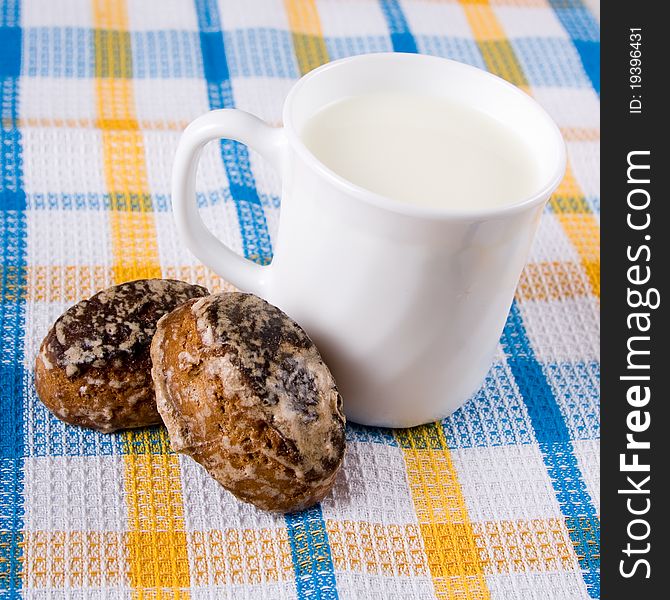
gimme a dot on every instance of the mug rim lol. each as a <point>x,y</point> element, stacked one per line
<point>405,208</point>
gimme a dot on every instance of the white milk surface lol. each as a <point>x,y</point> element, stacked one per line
<point>423,150</point>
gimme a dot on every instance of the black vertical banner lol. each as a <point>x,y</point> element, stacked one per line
<point>635,339</point>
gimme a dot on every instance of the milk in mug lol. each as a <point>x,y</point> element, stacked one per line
<point>423,150</point>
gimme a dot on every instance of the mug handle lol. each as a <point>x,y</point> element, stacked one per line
<point>235,125</point>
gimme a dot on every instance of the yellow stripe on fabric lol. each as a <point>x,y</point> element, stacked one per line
<point>74,559</point>
<point>132,223</point>
<point>109,123</point>
<point>72,283</point>
<point>377,549</point>
<point>110,14</point>
<point>580,226</point>
<point>500,59</point>
<point>99,559</point>
<point>482,20</point>
<point>568,197</point>
<point>200,275</point>
<point>538,545</point>
<point>526,3</point>
<point>583,230</point>
<point>552,281</point>
<point>241,556</point>
<point>308,42</point>
<point>69,283</point>
<point>116,104</point>
<point>580,134</point>
<point>99,123</point>
<point>490,37</point>
<point>156,540</point>
<point>113,54</point>
<point>14,287</point>
<point>454,560</point>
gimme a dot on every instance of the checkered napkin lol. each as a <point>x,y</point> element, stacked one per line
<point>501,500</point>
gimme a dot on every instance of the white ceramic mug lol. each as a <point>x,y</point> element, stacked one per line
<point>406,303</point>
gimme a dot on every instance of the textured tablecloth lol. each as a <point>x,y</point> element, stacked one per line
<point>500,500</point>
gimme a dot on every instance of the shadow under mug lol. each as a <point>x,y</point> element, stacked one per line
<point>405,302</point>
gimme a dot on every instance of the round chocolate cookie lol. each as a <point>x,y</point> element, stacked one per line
<point>243,390</point>
<point>94,368</point>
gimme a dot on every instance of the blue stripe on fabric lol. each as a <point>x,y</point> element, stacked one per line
<point>312,561</point>
<point>10,57</point>
<point>214,58</point>
<point>165,54</point>
<point>495,416</point>
<point>58,52</point>
<point>401,36</point>
<point>310,548</point>
<point>576,387</point>
<point>371,435</point>
<point>160,202</point>
<point>214,198</point>
<point>551,62</point>
<point>593,202</point>
<point>12,195</point>
<point>49,436</point>
<point>461,49</point>
<point>13,231</point>
<point>75,201</point>
<point>260,52</point>
<point>584,32</point>
<point>342,47</point>
<point>253,226</point>
<point>589,52</point>
<point>66,52</point>
<point>553,437</point>
<point>576,19</point>
<point>69,52</point>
